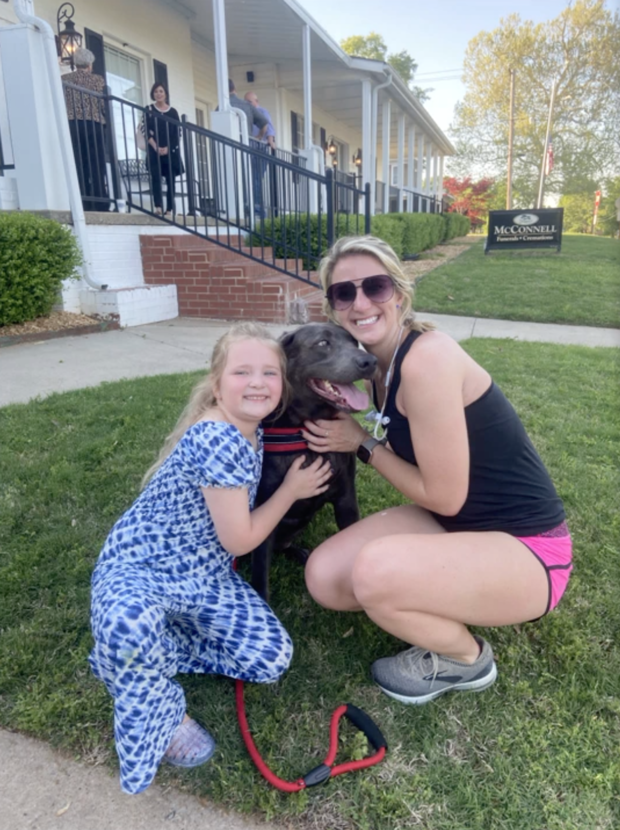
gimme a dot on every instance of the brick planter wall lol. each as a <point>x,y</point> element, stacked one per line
<point>213,281</point>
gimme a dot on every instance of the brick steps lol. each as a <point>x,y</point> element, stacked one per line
<point>213,281</point>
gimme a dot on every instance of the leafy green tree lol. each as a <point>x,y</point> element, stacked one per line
<point>608,212</point>
<point>578,211</point>
<point>365,46</point>
<point>579,50</point>
<point>373,46</point>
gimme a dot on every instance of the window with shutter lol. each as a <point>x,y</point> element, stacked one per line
<point>160,73</point>
<point>94,42</point>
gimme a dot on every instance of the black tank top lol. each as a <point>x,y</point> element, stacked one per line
<point>509,487</point>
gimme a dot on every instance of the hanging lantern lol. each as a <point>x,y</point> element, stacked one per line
<point>67,39</point>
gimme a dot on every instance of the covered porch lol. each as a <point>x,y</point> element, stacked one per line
<point>354,115</point>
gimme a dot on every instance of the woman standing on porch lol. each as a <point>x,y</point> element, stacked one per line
<point>164,156</point>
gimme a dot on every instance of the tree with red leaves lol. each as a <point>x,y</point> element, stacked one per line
<point>471,199</point>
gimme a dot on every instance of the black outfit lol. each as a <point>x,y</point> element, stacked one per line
<point>161,128</point>
<point>509,488</point>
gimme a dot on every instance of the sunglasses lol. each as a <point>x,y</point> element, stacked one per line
<point>378,289</point>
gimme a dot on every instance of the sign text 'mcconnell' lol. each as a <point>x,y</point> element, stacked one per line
<point>524,229</point>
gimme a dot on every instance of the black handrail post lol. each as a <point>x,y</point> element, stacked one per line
<point>329,195</point>
<point>112,150</point>
<point>189,165</point>
<point>367,208</point>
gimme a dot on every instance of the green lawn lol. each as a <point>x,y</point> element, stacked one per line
<point>580,285</point>
<point>538,751</point>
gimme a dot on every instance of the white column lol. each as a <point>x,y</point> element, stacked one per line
<point>367,172</point>
<point>441,161</point>
<point>37,152</point>
<point>435,173</point>
<point>385,158</point>
<point>401,160</point>
<point>307,62</point>
<point>420,167</point>
<point>221,55</point>
<point>410,164</point>
<point>232,167</point>
<point>308,151</point>
<point>429,162</point>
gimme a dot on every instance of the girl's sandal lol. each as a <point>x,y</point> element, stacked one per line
<point>191,745</point>
<point>158,212</point>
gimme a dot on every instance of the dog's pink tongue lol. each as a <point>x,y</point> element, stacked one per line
<point>356,399</point>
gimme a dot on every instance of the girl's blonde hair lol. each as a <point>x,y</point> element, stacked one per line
<point>372,246</point>
<point>203,397</point>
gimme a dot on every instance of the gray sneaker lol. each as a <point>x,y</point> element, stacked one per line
<point>418,675</point>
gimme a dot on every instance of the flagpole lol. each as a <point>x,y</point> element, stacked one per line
<point>545,149</point>
<point>511,133</point>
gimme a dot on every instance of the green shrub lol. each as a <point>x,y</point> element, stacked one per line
<point>421,231</point>
<point>407,233</point>
<point>388,228</point>
<point>36,255</point>
<point>456,225</point>
<point>289,234</point>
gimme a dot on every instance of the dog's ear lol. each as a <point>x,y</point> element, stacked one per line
<point>286,339</point>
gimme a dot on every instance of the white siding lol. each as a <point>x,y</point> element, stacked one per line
<point>332,126</point>
<point>205,83</point>
<point>143,28</point>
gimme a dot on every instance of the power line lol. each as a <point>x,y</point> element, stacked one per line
<point>424,80</point>
<point>458,69</point>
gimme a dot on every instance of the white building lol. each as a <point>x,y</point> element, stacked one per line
<point>318,97</point>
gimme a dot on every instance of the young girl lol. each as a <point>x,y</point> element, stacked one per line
<point>165,598</point>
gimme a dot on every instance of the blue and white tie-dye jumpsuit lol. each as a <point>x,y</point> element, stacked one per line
<point>165,599</point>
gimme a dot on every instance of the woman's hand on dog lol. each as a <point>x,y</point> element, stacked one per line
<point>303,483</point>
<point>343,434</point>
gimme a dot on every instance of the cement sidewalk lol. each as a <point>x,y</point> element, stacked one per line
<point>41,789</point>
<point>185,344</point>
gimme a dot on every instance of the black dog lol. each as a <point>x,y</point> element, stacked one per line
<point>323,362</point>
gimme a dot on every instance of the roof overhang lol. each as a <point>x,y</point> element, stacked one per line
<point>270,31</point>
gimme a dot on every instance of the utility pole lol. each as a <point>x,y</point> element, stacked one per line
<point>511,135</point>
<point>543,166</point>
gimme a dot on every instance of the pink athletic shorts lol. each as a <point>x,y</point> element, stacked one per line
<point>553,549</point>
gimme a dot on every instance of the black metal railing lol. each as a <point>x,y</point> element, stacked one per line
<point>347,203</point>
<point>266,206</point>
<point>421,202</point>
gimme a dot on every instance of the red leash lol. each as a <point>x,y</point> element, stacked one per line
<point>324,771</point>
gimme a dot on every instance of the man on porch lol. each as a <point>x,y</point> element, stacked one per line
<point>270,134</point>
<point>255,118</point>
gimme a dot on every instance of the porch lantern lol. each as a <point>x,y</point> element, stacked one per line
<point>67,39</point>
<point>357,159</point>
<point>331,147</point>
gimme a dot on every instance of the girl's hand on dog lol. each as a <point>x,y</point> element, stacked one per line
<point>342,434</point>
<point>309,481</point>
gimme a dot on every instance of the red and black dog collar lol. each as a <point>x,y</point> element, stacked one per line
<point>283,439</point>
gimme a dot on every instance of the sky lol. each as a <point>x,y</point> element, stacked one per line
<point>434,32</point>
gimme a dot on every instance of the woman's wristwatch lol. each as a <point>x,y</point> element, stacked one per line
<point>366,448</point>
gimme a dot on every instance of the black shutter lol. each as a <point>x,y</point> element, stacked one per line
<point>323,139</point>
<point>94,42</point>
<point>294,142</point>
<point>160,73</point>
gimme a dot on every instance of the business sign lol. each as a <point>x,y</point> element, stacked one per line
<point>524,230</point>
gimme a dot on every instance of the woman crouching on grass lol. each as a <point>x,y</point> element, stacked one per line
<point>165,598</point>
<point>485,540</point>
